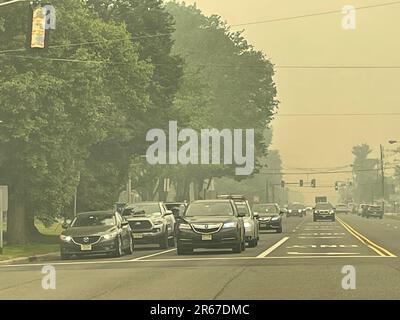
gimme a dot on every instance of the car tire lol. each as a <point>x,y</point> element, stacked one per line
<point>279,230</point>
<point>171,242</point>
<point>183,251</point>
<point>253,243</point>
<point>118,250</point>
<point>237,248</point>
<point>164,241</point>
<point>244,245</point>
<point>64,256</point>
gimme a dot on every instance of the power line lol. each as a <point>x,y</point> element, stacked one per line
<point>314,14</point>
<point>338,114</point>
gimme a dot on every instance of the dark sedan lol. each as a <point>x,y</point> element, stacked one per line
<point>269,216</point>
<point>101,232</point>
<point>211,224</point>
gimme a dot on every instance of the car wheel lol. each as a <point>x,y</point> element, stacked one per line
<point>171,242</point>
<point>314,220</point>
<point>118,250</point>
<point>130,248</point>
<point>243,245</point>
<point>65,256</point>
<point>237,248</point>
<point>252,243</point>
<point>279,230</point>
<point>164,241</point>
<point>183,251</point>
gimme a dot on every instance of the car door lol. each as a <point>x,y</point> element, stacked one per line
<point>124,230</point>
<point>255,221</point>
<point>170,219</point>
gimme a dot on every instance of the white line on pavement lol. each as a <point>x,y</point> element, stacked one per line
<point>321,237</point>
<point>275,246</point>
<point>152,255</point>
<point>323,253</point>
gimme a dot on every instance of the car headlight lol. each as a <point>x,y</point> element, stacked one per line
<point>247,225</point>
<point>184,226</point>
<point>109,236</point>
<point>65,238</point>
<point>230,225</point>
<point>158,222</point>
<point>332,212</point>
<point>275,218</point>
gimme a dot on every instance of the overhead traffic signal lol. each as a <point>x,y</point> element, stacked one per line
<point>301,183</point>
<point>336,186</point>
<point>282,184</point>
<point>38,28</point>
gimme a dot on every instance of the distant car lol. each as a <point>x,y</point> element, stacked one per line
<point>269,216</point>
<point>296,210</point>
<point>342,208</point>
<point>151,223</point>
<point>211,224</point>
<point>324,211</point>
<point>373,211</point>
<point>250,221</point>
<point>100,232</point>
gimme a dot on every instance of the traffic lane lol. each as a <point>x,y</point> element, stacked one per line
<point>385,232</point>
<point>265,278</point>
<point>267,239</point>
<point>322,238</point>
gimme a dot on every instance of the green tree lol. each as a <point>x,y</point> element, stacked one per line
<point>54,112</point>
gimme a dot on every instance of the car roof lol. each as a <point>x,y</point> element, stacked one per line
<point>213,200</point>
<point>91,213</point>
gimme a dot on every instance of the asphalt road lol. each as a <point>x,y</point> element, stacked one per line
<point>304,262</point>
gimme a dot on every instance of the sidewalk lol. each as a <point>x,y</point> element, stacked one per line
<point>39,257</point>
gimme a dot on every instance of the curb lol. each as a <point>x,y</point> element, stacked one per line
<point>40,257</point>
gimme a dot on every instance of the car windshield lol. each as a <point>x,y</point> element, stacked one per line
<point>266,209</point>
<point>323,206</point>
<point>94,220</point>
<point>296,206</point>
<point>341,206</point>
<point>142,208</point>
<point>242,208</point>
<point>209,209</point>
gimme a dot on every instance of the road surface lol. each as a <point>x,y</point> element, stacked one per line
<point>304,262</point>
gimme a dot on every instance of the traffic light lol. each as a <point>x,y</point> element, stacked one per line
<point>38,28</point>
<point>336,186</point>
<point>313,183</point>
<point>282,184</point>
<point>301,183</point>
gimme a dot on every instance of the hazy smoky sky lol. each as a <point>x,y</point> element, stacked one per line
<point>322,142</point>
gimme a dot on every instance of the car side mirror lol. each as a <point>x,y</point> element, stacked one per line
<point>256,215</point>
<point>124,223</point>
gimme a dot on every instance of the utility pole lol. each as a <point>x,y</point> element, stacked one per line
<point>383,177</point>
<point>266,191</point>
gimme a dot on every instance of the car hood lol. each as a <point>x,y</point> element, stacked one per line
<point>88,231</point>
<point>209,219</point>
<point>143,216</point>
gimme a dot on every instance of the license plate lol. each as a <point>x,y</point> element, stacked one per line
<point>137,236</point>
<point>86,247</point>
<point>263,225</point>
<point>206,237</point>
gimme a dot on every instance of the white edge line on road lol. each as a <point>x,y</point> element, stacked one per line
<point>153,255</point>
<point>275,246</point>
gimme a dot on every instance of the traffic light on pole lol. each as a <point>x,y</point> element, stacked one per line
<point>301,183</point>
<point>282,184</point>
<point>38,28</point>
<point>336,186</point>
<point>313,183</point>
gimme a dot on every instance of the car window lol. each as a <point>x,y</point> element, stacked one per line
<point>143,208</point>
<point>94,220</point>
<point>264,209</point>
<point>323,206</point>
<point>243,208</point>
<point>209,209</point>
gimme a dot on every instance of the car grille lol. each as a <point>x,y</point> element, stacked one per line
<point>206,228</point>
<point>140,225</point>
<point>86,240</point>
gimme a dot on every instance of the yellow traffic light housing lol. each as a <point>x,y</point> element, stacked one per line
<point>38,31</point>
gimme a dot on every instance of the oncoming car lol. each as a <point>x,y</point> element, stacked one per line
<point>296,209</point>
<point>151,223</point>
<point>211,224</point>
<point>269,216</point>
<point>324,211</point>
<point>100,232</point>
